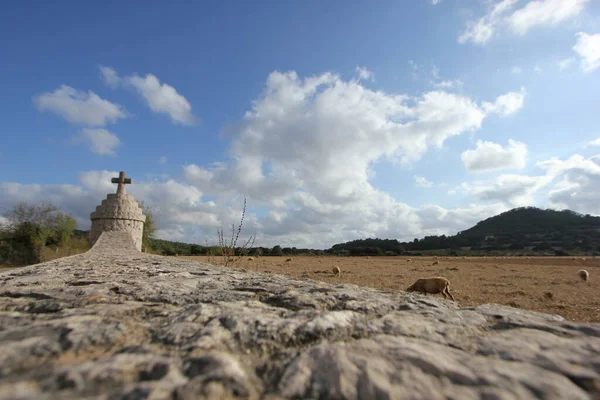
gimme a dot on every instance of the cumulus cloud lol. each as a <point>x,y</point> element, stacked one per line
<point>490,156</point>
<point>588,49</point>
<point>100,141</point>
<point>510,190</point>
<point>544,12</point>
<point>572,183</point>
<point>163,98</point>
<point>580,184</point>
<point>506,104</point>
<point>421,181</point>
<point>364,73</point>
<point>593,143</point>
<point>79,107</point>
<point>321,134</point>
<point>303,154</point>
<point>533,14</point>
<point>160,97</point>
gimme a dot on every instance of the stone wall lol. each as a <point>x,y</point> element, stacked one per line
<point>118,213</point>
<point>114,323</point>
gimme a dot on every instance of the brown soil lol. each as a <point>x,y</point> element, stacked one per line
<point>545,284</point>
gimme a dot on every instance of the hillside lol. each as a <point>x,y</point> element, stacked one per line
<point>519,230</point>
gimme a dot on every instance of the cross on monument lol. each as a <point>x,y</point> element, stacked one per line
<point>122,181</point>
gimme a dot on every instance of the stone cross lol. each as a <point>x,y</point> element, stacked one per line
<point>122,181</point>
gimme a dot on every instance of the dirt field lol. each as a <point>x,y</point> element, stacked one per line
<point>545,284</point>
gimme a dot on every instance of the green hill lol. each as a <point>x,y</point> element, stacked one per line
<point>526,230</point>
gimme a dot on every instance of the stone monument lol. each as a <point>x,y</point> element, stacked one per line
<point>118,212</point>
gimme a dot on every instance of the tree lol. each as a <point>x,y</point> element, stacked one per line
<point>30,228</point>
<point>276,251</point>
<point>197,250</point>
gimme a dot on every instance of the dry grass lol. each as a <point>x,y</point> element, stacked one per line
<point>545,284</point>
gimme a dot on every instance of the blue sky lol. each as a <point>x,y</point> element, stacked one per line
<point>336,120</point>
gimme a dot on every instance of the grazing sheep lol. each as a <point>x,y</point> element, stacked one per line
<point>337,271</point>
<point>250,258</point>
<point>436,262</point>
<point>408,260</point>
<point>432,285</point>
<point>583,274</point>
<point>288,260</point>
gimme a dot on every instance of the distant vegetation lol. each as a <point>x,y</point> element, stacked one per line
<point>39,233</point>
<point>521,231</point>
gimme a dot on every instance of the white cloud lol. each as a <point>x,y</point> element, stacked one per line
<point>162,160</point>
<point>579,188</point>
<point>588,49</point>
<point>364,73</point>
<point>110,76</point>
<point>306,147</point>
<point>506,104</point>
<point>448,84</point>
<point>510,190</point>
<point>534,13</point>
<point>593,143</point>
<point>435,2</point>
<point>163,98</point>
<point>423,182</point>
<point>544,12</point>
<point>160,97</point>
<point>482,30</point>
<point>79,107</point>
<point>304,153</point>
<point>516,70</point>
<point>101,141</point>
<point>322,133</point>
<point>564,63</point>
<point>490,156</point>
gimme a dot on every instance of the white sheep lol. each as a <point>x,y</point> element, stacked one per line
<point>337,271</point>
<point>436,262</point>
<point>408,260</point>
<point>584,275</point>
<point>432,285</point>
<point>288,260</point>
<point>250,258</point>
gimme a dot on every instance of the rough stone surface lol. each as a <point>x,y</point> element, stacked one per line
<point>118,213</point>
<point>115,323</point>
